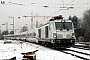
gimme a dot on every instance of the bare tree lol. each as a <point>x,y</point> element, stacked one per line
<point>24,28</point>
<point>74,19</point>
<point>86,24</point>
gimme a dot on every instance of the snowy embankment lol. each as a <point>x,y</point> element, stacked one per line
<point>43,53</point>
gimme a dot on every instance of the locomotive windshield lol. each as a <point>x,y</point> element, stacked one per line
<point>63,25</point>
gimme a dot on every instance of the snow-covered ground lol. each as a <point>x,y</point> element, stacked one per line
<point>16,48</point>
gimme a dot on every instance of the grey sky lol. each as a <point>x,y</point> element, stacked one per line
<point>19,8</point>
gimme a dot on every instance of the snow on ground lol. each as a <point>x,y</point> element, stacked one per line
<point>43,53</point>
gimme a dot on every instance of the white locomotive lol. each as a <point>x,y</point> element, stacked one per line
<point>57,33</point>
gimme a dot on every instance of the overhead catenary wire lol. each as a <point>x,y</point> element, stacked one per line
<point>47,5</point>
<point>23,5</point>
<point>10,8</point>
<point>52,7</point>
<point>76,2</point>
<point>64,6</point>
<point>71,5</point>
<point>82,6</point>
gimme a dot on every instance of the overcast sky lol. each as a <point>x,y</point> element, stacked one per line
<point>19,8</point>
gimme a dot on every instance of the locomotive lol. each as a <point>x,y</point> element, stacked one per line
<point>57,33</point>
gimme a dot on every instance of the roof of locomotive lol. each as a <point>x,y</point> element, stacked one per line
<point>59,18</point>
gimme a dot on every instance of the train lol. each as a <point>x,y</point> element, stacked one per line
<point>57,33</point>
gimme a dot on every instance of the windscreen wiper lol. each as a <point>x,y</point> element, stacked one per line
<point>64,27</point>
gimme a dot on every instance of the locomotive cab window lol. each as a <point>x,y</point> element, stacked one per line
<point>63,25</point>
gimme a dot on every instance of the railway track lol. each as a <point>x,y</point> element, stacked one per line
<point>79,53</point>
<point>82,47</point>
<point>76,55</point>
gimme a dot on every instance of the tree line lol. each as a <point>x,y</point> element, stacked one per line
<point>82,25</point>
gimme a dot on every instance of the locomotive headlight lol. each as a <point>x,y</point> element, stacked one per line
<point>73,35</point>
<point>54,35</point>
